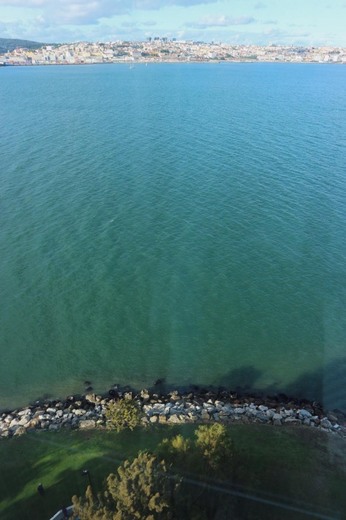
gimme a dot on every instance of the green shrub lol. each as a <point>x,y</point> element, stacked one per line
<point>123,414</point>
<point>215,443</point>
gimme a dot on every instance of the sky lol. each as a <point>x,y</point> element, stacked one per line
<point>258,22</point>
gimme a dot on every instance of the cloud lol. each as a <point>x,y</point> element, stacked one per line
<point>149,23</point>
<point>75,12</point>
<point>281,37</point>
<point>111,6</point>
<point>270,22</point>
<point>158,4</point>
<point>220,21</point>
<point>23,3</point>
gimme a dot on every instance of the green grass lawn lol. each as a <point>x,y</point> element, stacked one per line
<point>296,465</point>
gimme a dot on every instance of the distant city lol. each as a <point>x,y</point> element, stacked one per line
<point>159,50</point>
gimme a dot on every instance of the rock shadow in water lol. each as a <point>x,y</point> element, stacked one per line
<point>325,385</point>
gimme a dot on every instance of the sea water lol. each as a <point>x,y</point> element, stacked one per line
<point>176,221</point>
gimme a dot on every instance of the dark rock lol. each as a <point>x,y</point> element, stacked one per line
<point>159,382</point>
<point>188,397</point>
<point>337,416</point>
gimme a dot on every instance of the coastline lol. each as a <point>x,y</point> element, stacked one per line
<point>85,412</point>
<point>131,64</point>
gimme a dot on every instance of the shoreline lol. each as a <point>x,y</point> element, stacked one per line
<point>131,64</point>
<point>87,412</point>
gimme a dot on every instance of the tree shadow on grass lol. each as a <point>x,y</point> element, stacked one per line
<point>54,498</point>
<point>57,460</point>
<point>57,494</point>
<point>53,460</point>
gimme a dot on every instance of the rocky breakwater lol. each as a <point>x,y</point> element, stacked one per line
<point>88,412</point>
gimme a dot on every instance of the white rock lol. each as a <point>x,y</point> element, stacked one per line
<point>27,411</point>
<point>145,395</point>
<point>158,408</point>
<point>20,430</point>
<point>91,398</point>
<point>44,417</point>
<point>87,425</point>
<point>288,413</point>
<point>24,421</point>
<point>78,412</point>
<point>304,414</point>
<point>325,423</point>
<point>34,423</point>
<point>250,412</point>
<point>174,419</point>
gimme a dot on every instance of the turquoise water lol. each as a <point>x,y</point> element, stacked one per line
<point>177,221</point>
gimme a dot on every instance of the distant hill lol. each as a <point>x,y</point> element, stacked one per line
<point>9,44</point>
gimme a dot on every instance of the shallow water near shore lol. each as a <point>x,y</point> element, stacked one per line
<point>181,221</point>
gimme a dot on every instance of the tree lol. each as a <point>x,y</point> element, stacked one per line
<point>142,489</point>
<point>213,447</point>
<point>123,414</point>
<point>216,446</point>
<point>177,450</point>
<point>210,456</point>
<point>90,508</point>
